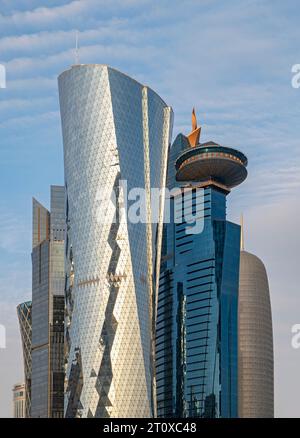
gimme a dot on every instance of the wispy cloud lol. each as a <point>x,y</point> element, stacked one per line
<point>42,16</point>
<point>23,106</point>
<point>28,122</point>
<point>13,234</point>
<point>62,15</point>
<point>231,60</point>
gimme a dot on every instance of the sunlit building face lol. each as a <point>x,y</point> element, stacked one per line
<point>114,129</point>
<point>256,357</point>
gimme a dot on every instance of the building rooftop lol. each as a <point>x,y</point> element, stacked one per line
<point>210,161</point>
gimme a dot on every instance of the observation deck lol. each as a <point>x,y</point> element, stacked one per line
<point>210,162</point>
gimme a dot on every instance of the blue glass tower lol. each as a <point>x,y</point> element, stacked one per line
<point>197,312</point>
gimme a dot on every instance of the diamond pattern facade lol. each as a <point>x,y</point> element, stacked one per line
<point>113,129</point>
<point>24,316</point>
<point>256,356</point>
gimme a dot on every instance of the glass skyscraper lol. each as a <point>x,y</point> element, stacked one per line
<point>197,313</point>
<point>25,316</point>
<point>114,129</point>
<point>47,382</point>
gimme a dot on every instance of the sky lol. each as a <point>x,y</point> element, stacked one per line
<point>231,60</point>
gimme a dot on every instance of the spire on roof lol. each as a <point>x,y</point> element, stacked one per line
<point>242,233</point>
<point>194,136</point>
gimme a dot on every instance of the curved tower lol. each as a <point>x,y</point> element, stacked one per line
<point>256,367</point>
<point>116,134</point>
<point>25,322</point>
<point>197,315</point>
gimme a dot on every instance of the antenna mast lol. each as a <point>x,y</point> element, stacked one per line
<point>242,233</point>
<point>76,48</point>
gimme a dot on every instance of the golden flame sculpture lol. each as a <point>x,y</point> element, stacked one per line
<point>194,136</point>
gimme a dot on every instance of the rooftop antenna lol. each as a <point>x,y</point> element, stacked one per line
<point>76,48</point>
<point>242,233</point>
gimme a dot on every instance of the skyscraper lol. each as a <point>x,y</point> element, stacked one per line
<point>19,400</point>
<point>197,315</point>
<point>48,307</point>
<point>256,362</point>
<point>24,316</point>
<point>114,129</point>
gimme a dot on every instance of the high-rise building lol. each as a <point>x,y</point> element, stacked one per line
<point>47,380</point>
<point>256,361</point>
<point>197,315</point>
<point>19,400</point>
<point>24,316</point>
<point>114,129</point>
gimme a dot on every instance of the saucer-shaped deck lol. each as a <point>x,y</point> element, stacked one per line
<point>210,161</point>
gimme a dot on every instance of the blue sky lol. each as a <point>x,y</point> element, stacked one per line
<point>231,60</point>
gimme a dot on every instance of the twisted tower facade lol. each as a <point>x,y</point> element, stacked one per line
<point>114,129</point>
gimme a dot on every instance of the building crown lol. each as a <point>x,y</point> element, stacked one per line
<point>194,136</point>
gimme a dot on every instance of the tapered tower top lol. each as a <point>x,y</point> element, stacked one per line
<point>210,162</point>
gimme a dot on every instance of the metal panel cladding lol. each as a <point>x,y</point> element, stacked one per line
<point>24,312</point>
<point>256,361</point>
<point>114,129</point>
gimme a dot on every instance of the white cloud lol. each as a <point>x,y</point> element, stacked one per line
<point>45,15</point>
<point>74,11</point>
<point>100,53</point>
<point>114,30</point>
<point>33,84</point>
<point>17,105</point>
<point>231,60</point>
<point>12,234</point>
<point>30,121</point>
